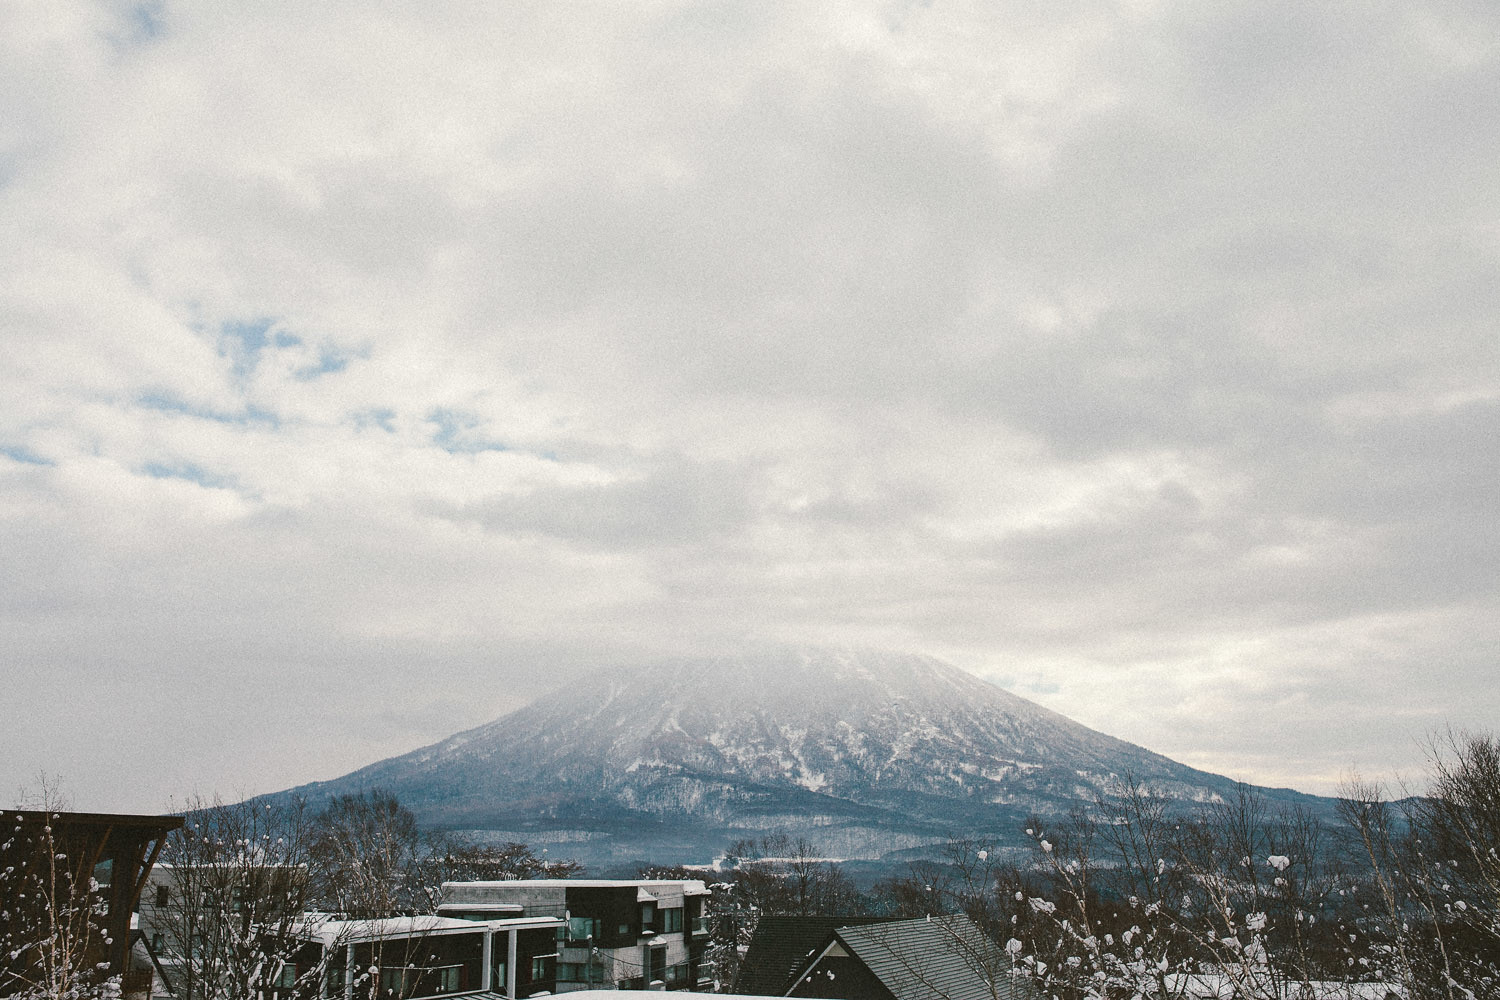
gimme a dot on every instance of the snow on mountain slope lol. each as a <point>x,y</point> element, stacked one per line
<point>777,737</point>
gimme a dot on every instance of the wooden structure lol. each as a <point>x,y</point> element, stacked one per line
<point>69,883</point>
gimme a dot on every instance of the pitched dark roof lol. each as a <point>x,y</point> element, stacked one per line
<point>937,958</point>
<point>782,946</point>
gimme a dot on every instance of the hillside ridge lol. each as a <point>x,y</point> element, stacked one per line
<point>866,750</point>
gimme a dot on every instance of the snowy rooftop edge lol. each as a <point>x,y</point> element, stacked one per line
<point>690,886</point>
<point>331,930</point>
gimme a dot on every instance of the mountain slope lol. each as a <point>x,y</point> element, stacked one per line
<point>872,751</point>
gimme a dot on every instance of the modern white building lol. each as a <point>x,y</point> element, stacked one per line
<point>410,958</point>
<point>626,934</point>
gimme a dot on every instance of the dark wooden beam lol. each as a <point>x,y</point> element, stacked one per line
<point>140,883</point>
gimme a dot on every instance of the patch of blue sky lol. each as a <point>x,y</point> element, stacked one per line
<point>452,434</point>
<point>147,19</point>
<point>170,404</point>
<point>243,342</point>
<point>329,361</point>
<point>188,471</point>
<point>140,23</point>
<point>24,455</point>
<point>384,419</point>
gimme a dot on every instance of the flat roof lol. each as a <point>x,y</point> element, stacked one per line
<point>65,818</point>
<point>352,931</point>
<point>690,886</point>
<point>657,994</point>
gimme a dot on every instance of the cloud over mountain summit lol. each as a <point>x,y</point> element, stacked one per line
<point>861,750</point>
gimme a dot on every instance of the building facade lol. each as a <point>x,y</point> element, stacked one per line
<point>413,958</point>
<point>624,934</point>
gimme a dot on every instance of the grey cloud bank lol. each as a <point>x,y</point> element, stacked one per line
<point>370,369</point>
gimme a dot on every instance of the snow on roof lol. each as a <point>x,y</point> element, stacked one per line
<point>688,886</point>
<point>328,931</point>
<point>676,994</point>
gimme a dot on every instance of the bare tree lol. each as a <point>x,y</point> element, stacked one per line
<point>1435,872</point>
<point>782,875</point>
<point>225,907</point>
<point>369,859</point>
<point>773,875</point>
<point>1147,897</point>
<point>1140,896</point>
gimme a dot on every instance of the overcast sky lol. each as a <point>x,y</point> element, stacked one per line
<point>371,367</point>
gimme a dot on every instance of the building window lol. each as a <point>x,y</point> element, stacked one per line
<point>162,895</point>
<point>583,928</point>
<point>157,941</point>
<point>580,972</point>
<point>538,969</point>
<point>656,963</point>
<point>671,921</point>
<point>648,916</point>
<point>394,981</point>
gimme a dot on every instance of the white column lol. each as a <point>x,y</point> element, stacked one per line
<point>510,965</point>
<point>349,972</point>
<point>487,971</point>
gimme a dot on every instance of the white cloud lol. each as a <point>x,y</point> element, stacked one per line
<point>419,355</point>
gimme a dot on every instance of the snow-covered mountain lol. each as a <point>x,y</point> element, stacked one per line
<point>866,752</point>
